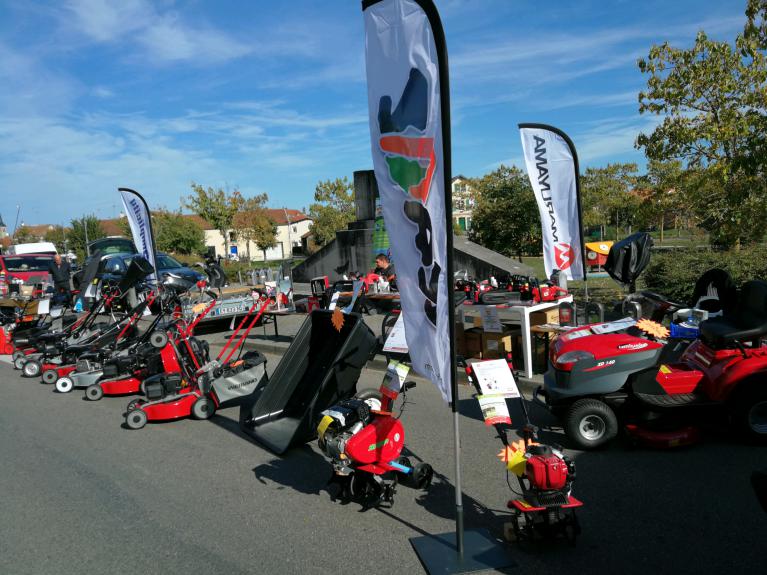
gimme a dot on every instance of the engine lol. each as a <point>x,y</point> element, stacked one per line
<point>338,425</point>
<point>549,475</point>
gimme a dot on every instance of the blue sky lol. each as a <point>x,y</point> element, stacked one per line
<point>271,97</point>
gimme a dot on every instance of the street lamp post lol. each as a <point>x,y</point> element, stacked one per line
<point>290,246</point>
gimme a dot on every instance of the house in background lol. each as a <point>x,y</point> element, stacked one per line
<point>291,225</point>
<point>463,203</point>
<point>3,229</point>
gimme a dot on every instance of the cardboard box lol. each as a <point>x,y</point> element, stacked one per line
<point>473,343</point>
<point>545,316</point>
<point>496,345</point>
<point>460,340</point>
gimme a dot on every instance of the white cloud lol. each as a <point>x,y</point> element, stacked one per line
<point>164,36</point>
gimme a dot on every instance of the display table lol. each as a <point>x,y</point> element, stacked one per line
<point>274,314</point>
<point>519,315</point>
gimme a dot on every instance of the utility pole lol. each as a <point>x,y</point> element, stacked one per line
<point>85,229</point>
<point>290,246</point>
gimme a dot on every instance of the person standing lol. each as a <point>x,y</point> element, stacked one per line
<point>60,271</point>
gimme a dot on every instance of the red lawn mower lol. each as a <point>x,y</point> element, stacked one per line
<point>201,387</point>
<point>364,441</point>
<point>166,354</point>
<point>660,395</point>
<point>544,506</point>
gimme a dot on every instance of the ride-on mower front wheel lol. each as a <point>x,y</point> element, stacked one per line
<point>590,423</point>
<point>64,384</point>
<point>50,376</point>
<point>749,414</point>
<point>136,419</point>
<point>94,392</point>
<point>32,368</point>
<point>203,408</point>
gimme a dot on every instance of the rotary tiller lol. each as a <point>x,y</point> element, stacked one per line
<point>544,506</point>
<point>364,442</point>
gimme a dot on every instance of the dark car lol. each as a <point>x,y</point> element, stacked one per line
<point>113,267</point>
<point>102,247</point>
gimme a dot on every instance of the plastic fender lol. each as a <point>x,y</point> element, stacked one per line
<point>65,370</point>
<point>169,360</point>
<point>724,370</point>
<point>172,409</point>
<point>122,386</point>
<point>378,442</point>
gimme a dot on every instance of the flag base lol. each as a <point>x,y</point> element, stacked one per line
<point>438,553</point>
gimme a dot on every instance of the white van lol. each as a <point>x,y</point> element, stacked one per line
<point>33,248</point>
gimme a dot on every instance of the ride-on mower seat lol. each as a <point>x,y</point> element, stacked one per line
<point>747,323</point>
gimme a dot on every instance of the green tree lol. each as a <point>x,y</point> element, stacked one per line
<point>173,232</point>
<point>333,210</point>
<point>216,206</point>
<point>606,197</point>
<point>57,236</point>
<point>23,235</point>
<point>264,233</point>
<point>663,191</point>
<point>713,101</point>
<point>251,217</point>
<point>78,234</point>
<point>176,233</point>
<point>505,217</point>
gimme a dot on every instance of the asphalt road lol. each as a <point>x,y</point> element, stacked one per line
<point>81,494</point>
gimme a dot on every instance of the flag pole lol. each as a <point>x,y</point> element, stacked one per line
<point>482,552</point>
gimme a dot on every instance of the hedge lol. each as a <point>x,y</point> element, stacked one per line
<point>674,273</point>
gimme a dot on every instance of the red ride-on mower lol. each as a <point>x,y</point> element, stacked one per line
<point>364,441</point>
<point>544,506</point>
<point>660,399</point>
<point>724,374</point>
<point>199,389</point>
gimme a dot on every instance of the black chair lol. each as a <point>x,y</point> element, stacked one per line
<point>747,322</point>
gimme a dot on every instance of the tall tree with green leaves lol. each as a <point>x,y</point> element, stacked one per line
<point>23,235</point>
<point>216,206</point>
<point>505,217</point>
<point>663,190</point>
<point>251,217</point>
<point>57,236</point>
<point>78,234</point>
<point>176,233</point>
<point>333,209</point>
<point>606,197</point>
<point>713,101</point>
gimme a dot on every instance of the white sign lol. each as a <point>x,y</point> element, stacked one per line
<point>495,378</point>
<point>494,409</point>
<point>396,342</point>
<point>490,320</point>
<point>394,379</point>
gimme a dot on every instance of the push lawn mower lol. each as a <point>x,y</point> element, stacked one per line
<point>201,387</point>
<point>147,355</point>
<point>168,347</point>
<point>56,349</point>
<point>364,441</point>
<point>544,506</point>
